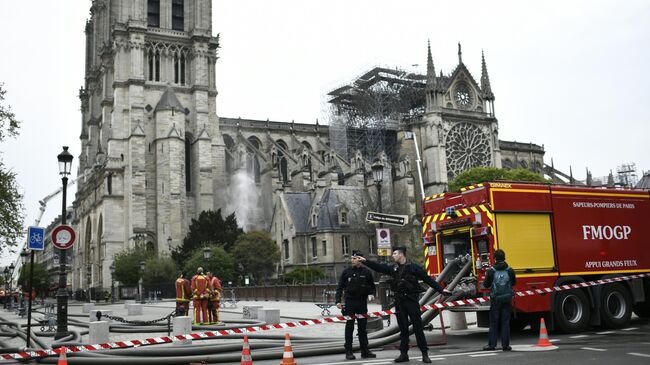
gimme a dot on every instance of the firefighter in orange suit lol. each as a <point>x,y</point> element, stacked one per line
<point>183,295</point>
<point>215,298</point>
<point>200,296</point>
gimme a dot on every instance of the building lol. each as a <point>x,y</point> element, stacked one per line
<point>154,153</point>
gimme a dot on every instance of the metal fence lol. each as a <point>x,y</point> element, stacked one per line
<point>289,293</point>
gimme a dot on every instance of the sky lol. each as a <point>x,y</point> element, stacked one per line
<point>573,76</point>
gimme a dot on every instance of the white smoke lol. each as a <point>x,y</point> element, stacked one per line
<point>242,197</point>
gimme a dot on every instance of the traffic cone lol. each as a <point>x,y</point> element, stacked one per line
<point>63,360</point>
<point>287,358</point>
<point>246,353</point>
<point>543,335</point>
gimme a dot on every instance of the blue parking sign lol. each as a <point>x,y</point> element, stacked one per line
<point>36,238</point>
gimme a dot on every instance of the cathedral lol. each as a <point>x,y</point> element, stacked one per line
<point>154,152</point>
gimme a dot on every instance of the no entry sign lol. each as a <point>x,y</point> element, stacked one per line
<point>63,237</point>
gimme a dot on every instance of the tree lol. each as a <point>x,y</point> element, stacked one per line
<point>127,265</point>
<point>220,263</point>
<point>304,275</point>
<point>41,279</point>
<point>257,254</point>
<point>479,175</point>
<point>209,228</point>
<point>11,206</point>
<point>159,272</point>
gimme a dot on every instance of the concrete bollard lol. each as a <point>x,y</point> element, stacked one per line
<point>98,332</point>
<point>182,326</point>
<point>88,307</point>
<point>269,315</point>
<point>250,311</point>
<point>134,309</point>
<point>127,302</point>
<point>458,320</point>
<point>93,315</point>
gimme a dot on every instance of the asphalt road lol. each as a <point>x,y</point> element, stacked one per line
<point>629,345</point>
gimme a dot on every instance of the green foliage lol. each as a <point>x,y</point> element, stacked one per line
<point>41,278</point>
<point>220,263</point>
<point>11,205</point>
<point>483,174</point>
<point>304,275</point>
<point>159,270</point>
<point>127,265</point>
<point>209,228</point>
<point>257,254</point>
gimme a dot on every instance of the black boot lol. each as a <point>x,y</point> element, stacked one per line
<point>425,358</point>
<point>349,355</point>
<point>402,358</point>
<point>365,353</point>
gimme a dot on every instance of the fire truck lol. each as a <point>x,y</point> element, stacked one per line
<point>552,235</point>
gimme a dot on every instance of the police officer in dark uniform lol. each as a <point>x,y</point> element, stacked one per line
<point>357,283</point>
<point>406,287</point>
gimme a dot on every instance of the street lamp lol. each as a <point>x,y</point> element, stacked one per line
<point>378,176</point>
<point>112,268</point>
<point>207,253</point>
<point>65,166</point>
<point>12,267</point>
<point>142,266</point>
<point>7,294</point>
<point>24,254</point>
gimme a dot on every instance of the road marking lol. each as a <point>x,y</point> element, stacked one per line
<point>579,336</point>
<point>592,349</point>
<point>630,329</point>
<point>638,354</point>
<point>605,333</point>
<point>481,355</point>
<point>555,340</point>
<point>432,357</point>
<point>377,363</point>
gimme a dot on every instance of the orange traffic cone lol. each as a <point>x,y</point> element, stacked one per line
<point>63,360</point>
<point>246,353</point>
<point>287,358</point>
<point>543,335</point>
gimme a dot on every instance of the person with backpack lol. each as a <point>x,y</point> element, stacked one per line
<point>500,279</point>
<point>357,283</point>
<point>405,285</point>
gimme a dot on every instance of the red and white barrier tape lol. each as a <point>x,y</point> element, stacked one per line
<point>218,333</point>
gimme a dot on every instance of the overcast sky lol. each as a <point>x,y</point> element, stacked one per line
<point>573,76</point>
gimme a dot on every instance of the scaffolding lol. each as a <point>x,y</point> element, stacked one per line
<point>627,174</point>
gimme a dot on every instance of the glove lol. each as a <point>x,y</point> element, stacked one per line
<point>371,298</point>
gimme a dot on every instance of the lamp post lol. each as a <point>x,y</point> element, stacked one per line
<point>142,266</point>
<point>23,256</point>
<point>112,268</point>
<point>65,166</point>
<point>207,253</point>
<point>7,296</point>
<point>378,176</point>
<point>12,267</point>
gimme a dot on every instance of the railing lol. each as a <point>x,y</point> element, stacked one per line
<point>289,293</point>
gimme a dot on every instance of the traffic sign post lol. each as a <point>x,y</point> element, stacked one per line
<point>394,219</point>
<point>63,237</point>
<point>36,238</point>
<point>383,242</point>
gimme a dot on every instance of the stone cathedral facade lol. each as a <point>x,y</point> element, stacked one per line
<point>154,153</point>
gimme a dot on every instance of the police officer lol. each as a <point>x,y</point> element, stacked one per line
<point>357,283</point>
<point>405,285</point>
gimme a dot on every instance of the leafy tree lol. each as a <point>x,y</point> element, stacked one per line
<point>159,270</point>
<point>127,265</point>
<point>209,228</point>
<point>220,263</point>
<point>482,174</point>
<point>304,275</point>
<point>257,254</point>
<point>41,278</point>
<point>11,206</point>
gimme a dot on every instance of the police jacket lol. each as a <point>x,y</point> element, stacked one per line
<point>357,282</point>
<point>405,278</point>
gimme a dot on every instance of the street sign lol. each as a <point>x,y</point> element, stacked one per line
<point>36,238</point>
<point>63,237</point>
<point>395,219</point>
<point>384,252</point>
<point>383,238</point>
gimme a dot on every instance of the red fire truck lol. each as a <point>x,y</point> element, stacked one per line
<point>552,235</point>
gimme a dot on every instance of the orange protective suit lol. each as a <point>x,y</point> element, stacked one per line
<point>183,296</point>
<point>215,284</point>
<point>200,296</point>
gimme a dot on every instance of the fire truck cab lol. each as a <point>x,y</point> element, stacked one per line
<point>552,235</point>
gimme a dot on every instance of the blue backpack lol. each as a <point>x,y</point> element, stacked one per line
<point>501,288</point>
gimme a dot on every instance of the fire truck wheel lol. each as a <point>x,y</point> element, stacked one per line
<point>615,306</point>
<point>572,311</point>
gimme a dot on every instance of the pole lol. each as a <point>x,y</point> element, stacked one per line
<point>62,293</point>
<point>112,290</point>
<point>29,291</point>
<point>418,161</point>
<point>383,279</point>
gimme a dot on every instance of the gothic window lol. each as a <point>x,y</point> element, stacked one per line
<point>285,248</point>
<point>156,63</point>
<point>324,244</point>
<point>255,160</point>
<point>109,183</point>
<point>283,164</point>
<point>179,67</point>
<point>507,163</point>
<point>153,13</point>
<point>150,247</point>
<point>345,245</point>
<point>314,247</point>
<point>153,64</point>
<point>344,218</point>
<point>306,144</point>
<point>467,147</point>
<point>523,164</point>
<point>314,220</point>
<point>178,15</point>
<point>188,163</point>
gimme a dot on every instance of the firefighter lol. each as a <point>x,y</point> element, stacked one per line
<point>215,299</point>
<point>406,287</point>
<point>183,295</point>
<point>358,284</point>
<point>200,296</point>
